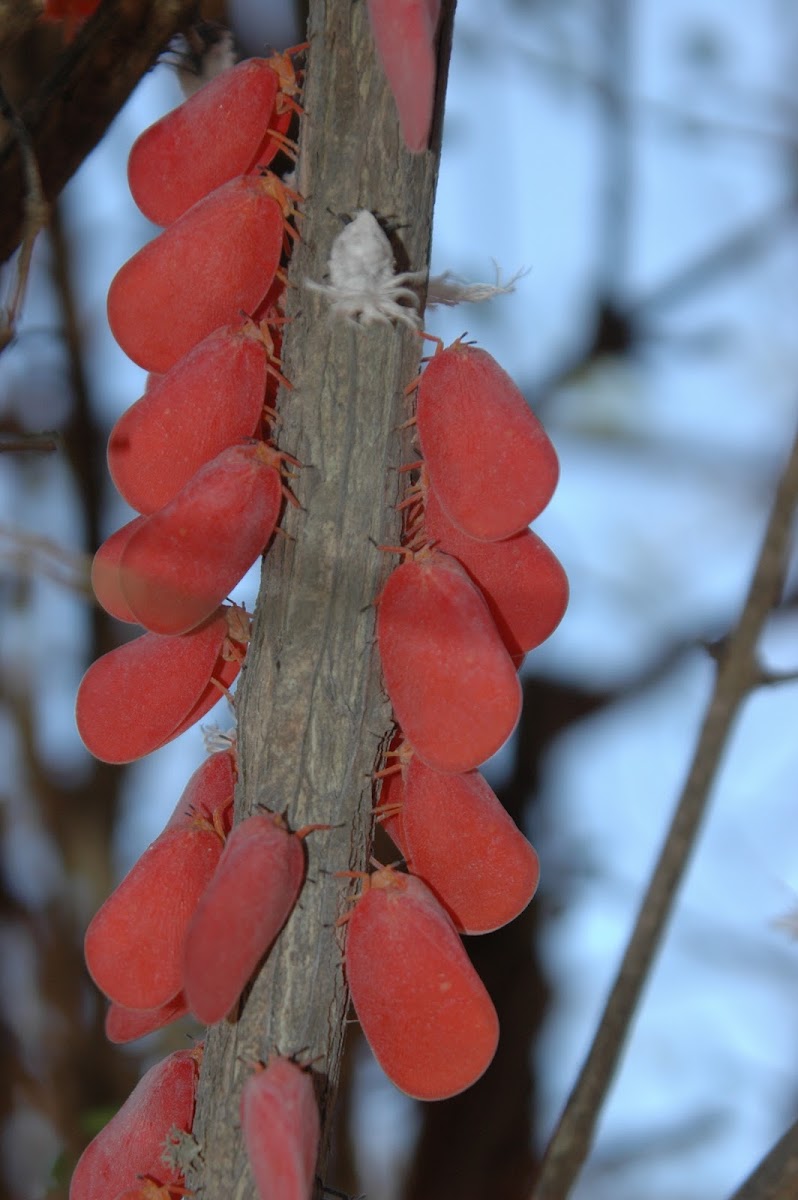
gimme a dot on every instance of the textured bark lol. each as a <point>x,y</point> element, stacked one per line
<point>312,715</point>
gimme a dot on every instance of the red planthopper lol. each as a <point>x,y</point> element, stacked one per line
<point>460,841</point>
<point>219,259</point>
<point>524,584</point>
<point>280,1122</point>
<point>405,33</point>
<point>143,694</point>
<point>231,126</point>
<point>133,1141</point>
<point>250,897</point>
<point>489,459</point>
<point>182,561</point>
<point>449,678</point>
<point>105,581</point>
<point>209,793</point>
<point>128,1024</point>
<point>211,399</point>
<point>134,943</point>
<point>421,1005</point>
<point>149,1190</point>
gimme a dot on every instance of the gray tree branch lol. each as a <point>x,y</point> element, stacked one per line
<point>313,718</point>
<point>776,1177</point>
<point>738,673</point>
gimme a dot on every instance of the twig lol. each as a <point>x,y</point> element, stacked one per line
<point>776,1177</point>
<point>32,555</point>
<point>29,443</point>
<point>36,212</point>
<point>82,440</point>
<point>738,673</point>
<point>619,329</point>
<point>666,113</point>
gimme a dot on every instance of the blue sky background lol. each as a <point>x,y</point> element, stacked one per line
<point>668,464</point>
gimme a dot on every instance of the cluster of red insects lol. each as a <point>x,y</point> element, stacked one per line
<point>193,457</point>
<point>475,592</point>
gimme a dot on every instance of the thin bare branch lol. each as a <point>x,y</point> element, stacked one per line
<point>35,210</point>
<point>776,1177</point>
<point>738,673</point>
<point>29,443</point>
<point>31,555</point>
<point>617,329</point>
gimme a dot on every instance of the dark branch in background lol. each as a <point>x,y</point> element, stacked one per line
<point>623,330</point>
<point>738,673</point>
<point>82,438</point>
<point>80,812</point>
<point>29,443</point>
<point>35,213</point>
<point>17,17</point>
<point>776,1177</point>
<point>73,108</point>
<point>624,325</point>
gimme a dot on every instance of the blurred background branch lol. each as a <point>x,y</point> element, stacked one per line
<point>72,107</point>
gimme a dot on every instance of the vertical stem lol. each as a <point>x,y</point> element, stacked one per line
<point>312,715</point>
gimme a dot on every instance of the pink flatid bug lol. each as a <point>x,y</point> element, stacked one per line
<point>421,1005</point>
<point>462,843</point>
<point>143,694</point>
<point>405,34</point>
<point>128,1024</point>
<point>450,680</point>
<point>219,259</point>
<point>131,1144</point>
<point>134,944</point>
<point>280,1122</point>
<point>181,562</point>
<point>212,398</point>
<point>524,584</point>
<point>225,129</point>
<point>147,1189</point>
<point>105,580</point>
<point>253,891</point>
<point>208,793</point>
<point>489,459</point>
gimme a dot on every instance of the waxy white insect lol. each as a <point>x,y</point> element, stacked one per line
<point>364,287</point>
